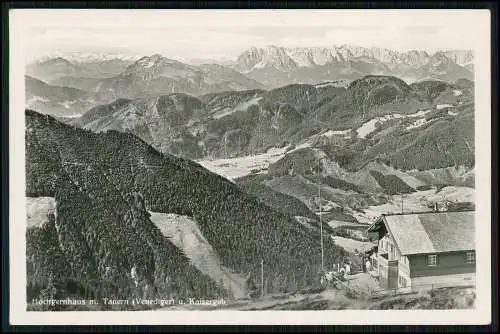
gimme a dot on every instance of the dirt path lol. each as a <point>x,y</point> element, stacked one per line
<point>350,244</point>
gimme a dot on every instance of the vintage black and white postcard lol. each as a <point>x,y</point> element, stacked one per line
<point>250,166</point>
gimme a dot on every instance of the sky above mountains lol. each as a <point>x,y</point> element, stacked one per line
<point>225,34</point>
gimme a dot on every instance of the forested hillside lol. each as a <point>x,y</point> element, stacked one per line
<point>374,117</point>
<point>104,183</point>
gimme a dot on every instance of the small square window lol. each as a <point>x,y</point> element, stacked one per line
<point>470,257</point>
<point>432,260</point>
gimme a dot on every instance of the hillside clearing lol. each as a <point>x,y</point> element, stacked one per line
<point>351,245</point>
<point>186,235</point>
<point>38,210</point>
<point>240,107</point>
<point>232,168</point>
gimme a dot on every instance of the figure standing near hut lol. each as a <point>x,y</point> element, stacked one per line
<point>347,269</point>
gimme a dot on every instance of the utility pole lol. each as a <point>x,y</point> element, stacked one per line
<point>320,217</point>
<point>262,276</point>
<point>402,211</point>
<point>225,146</point>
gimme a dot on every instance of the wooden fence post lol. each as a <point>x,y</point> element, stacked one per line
<point>262,276</point>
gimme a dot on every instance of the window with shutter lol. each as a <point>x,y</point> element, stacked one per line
<point>432,260</point>
<point>470,257</point>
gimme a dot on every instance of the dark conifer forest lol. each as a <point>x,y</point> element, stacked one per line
<point>105,184</point>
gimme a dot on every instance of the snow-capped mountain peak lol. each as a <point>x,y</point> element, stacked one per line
<point>155,62</point>
<point>88,57</point>
<point>461,57</point>
<point>439,60</point>
<point>151,61</point>
<point>283,59</point>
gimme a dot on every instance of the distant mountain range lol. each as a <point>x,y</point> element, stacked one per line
<point>59,100</point>
<point>290,58</point>
<point>277,66</point>
<point>89,57</point>
<point>54,68</point>
<point>157,75</point>
<point>115,78</point>
<point>119,76</point>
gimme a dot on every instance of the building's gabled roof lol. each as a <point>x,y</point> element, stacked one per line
<point>431,232</point>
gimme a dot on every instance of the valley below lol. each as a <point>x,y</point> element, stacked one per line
<point>257,166</point>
